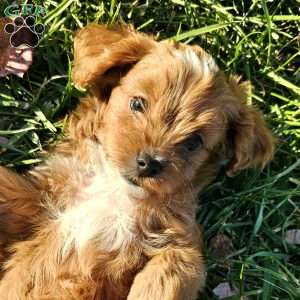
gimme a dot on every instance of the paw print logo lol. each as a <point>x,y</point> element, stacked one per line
<point>24,31</point>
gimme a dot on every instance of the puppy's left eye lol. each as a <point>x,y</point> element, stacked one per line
<point>138,104</point>
<point>192,143</point>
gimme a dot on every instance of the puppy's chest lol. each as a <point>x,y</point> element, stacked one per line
<point>104,213</point>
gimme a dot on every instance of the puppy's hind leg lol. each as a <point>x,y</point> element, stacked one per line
<point>19,206</point>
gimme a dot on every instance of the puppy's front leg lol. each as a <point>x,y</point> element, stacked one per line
<point>173,274</point>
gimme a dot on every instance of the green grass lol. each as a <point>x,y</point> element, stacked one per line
<point>258,40</point>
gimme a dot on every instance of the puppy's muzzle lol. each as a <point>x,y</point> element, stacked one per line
<point>148,166</point>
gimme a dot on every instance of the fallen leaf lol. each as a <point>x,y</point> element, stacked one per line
<point>292,236</point>
<point>220,246</point>
<point>14,61</point>
<point>224,290</point>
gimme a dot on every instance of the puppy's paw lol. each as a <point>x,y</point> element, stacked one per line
<point>152,284</point>
<point>149,289</point>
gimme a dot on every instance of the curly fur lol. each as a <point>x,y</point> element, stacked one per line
<point>83,225</point>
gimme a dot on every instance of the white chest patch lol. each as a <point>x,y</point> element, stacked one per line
<point>104,211</point>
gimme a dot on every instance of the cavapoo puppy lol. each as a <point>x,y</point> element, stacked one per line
<point>110,214</point>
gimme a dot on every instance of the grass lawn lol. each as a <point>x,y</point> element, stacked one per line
<point>245,218</point>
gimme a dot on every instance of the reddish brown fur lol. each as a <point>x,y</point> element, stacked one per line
<point>163,260</point>
<point>19,206</point>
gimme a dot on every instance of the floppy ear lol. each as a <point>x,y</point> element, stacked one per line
<point>251,143</point>
<point>102,55</point>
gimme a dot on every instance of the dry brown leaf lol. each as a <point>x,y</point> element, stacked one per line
<point>220,246</point>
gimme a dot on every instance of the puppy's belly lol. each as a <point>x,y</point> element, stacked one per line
<point>103,212</point>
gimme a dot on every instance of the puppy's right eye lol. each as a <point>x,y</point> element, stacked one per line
<point>192,143</point>
<point>138,104</point>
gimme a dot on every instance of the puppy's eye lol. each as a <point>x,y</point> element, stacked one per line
<point>192,143</point>
<point>138,104</point>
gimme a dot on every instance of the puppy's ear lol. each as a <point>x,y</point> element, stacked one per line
<point>102,55</point>
<point>250,142</point>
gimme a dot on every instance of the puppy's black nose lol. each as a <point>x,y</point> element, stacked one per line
<point>148,166</point>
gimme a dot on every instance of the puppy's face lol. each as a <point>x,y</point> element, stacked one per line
<point>163,121</point>
<point>169,117</point>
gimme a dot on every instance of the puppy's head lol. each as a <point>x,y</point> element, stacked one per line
<point>167,117</point>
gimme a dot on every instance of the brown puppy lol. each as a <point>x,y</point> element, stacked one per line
<point>111,214</point>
